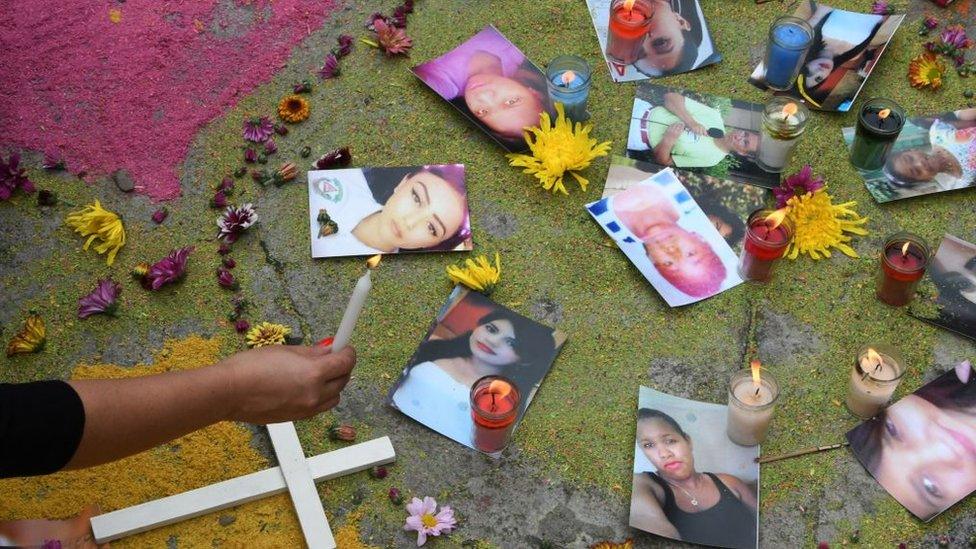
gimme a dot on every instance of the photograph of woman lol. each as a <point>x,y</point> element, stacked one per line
<point>700,487</point>
<point>953,273</point>
<point>388,210</point>
<point>922,449</point>
<point>472,338</point>
<point>492,83</point>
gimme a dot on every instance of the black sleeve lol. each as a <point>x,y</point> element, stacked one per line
<point>40,427</point>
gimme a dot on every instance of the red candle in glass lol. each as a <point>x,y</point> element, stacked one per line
<point>903,261</point>
<point>768,235</point>
<point>629,21</point>
<point>494,408</point>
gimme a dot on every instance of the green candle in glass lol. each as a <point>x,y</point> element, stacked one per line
<point>878,125</point>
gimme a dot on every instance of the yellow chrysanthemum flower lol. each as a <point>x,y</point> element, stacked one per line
<point>30,339</point>
<point>478,274</point>
<point>267,333</point>
<point>627,544</point>
<point>100,224</point>
<point>925,71</point>
<point>820,225</point>
<point>559,148</point>
<point>293,108</point>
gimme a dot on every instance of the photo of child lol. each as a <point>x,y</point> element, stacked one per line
<point>922,449</point>
<point>492,83</point>
<point>932,154</point>
<point>677,40</point>
<point>949,296</point>
<point>660,228</point>
<point>846,47</point>
<point>708,134</point>
<point>472,337</point>
<point>727,204</point>
<point>691,483</point>
<point>372,211</point>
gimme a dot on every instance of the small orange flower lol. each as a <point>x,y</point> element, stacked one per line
<point>925,71</point>
<point>293,108</point>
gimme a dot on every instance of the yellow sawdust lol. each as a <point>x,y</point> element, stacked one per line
<point>210,455</point>
<point>347,535</point>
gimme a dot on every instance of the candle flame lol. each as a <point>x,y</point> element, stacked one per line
<point>499,388</point>
<point>883,113</point>
<point>755,365</point>
<point>873,358</point>
<point>904,249</point>
<point>776,218</point>
<point>568,77</point>
<point>629,4</point>
<point>789,109</point>
<point>373,262</point>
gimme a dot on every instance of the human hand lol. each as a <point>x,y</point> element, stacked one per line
<point>697,129</point>
<point>286,382</point>
<point>674,131</point>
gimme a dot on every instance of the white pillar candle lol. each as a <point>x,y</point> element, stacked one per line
<point>783,123</point>
<point>355,306</point>
<point>874,377</point>
<point>752,402</point>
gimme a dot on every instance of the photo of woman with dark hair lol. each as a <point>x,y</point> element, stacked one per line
<point>679,500</point>
<point>922,449</point>
<point>388,210</point>
<point>492,83</point>
<point>434,388</point>
<point>953,274</point>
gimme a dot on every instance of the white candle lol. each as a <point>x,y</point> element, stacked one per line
<point>874,377</point>
<point>751,407</point>
<point>774,152</point>
<point>783,123</point>
<point>355,306</point>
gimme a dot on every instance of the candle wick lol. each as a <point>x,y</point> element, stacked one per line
<point>757,391</point>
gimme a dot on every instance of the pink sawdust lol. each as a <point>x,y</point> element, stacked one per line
<point>131,95</point>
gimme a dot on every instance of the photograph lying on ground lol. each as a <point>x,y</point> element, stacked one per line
<point>492,83</point>
<point>726,203</point>
<point>922,449</point>
<point>846,47</point>
<point>947,298</point>
<point>660,228</point>
<point>932,154</point>
<point>691,483</point>
<point>697,132</point>
<point>474,337</point>
<point>667,37</point>
<point>368,211</point>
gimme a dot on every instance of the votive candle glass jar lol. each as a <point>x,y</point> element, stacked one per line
<point>879,122</point>
<point>494,409</point>
<point>784,120</point>
<point>763,245</point>
<point>789,39</point>
<point>629,22</point>
<point>876,373</point>
<point>751,406</point>
<point>904,258</point>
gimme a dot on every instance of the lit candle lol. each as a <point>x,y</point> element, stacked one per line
<point>789,39</point>
<point>878,125</point>
<point>768,234</point>
<point>355,306</point>
<point>903,261</point>
<point>784,120</point>
<point>629,21</point>
<point>874,377</point>
<point>752,401</point>
<point>569,84</point>
<point>494,408</point>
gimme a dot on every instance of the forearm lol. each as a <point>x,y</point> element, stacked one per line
<point>675,102</point>
<point>127,416</point>
<point>662,151</point>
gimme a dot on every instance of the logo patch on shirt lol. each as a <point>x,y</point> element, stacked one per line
<point>330,189</point>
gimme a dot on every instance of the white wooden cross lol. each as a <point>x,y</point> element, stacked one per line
<point>295,474</point>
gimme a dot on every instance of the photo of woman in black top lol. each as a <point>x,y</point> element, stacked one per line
<point>679,502</point>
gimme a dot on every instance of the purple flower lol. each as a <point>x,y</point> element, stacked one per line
<point>281,129</point>
<point>331,67</point>
<point>223,249</point>
<point>242,326</point>
<point>798,184</point>
<point>930,22</point>
<point>226,279</point>
<point>103,299</point>
<point>408,5</point>
<point>250,155</point>
<point>955,37</point>
<point>270,147</point>
<point>229,262</point>
<point>160,215</point>
<point>12,177</point>
<point>425,522</point>
<point>371,20</point>
<point>302,87</point>
<point>335,158</point>
<point>258,129</point>
<point>235,221</point>
<point>219,200</point>
<point>345,46</point>
<point>168,269</point>
<point>226,185</point>
<point>881,7</point>
<point>52,162</point>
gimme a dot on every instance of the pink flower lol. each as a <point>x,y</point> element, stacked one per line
<point>391,39</point>
<point>101,300</point>
<point>250,155</point>
<point>160,215</point>
<point>258,129</point>
<point>281,129</point>
<point>930,22</point>
<point>336,158</point>
<point>226,185</point>
<point>242,326</point>
<point>229,262</point>
<point>331,67</point>
<point>798,184</point>
<point>408,6</point>
<point>425,522</point>
<point>270,147</point>
<point>223,249</point>
<point>234,221</point>
<point>168,269</point>
<point>955,37</point>
<point>226,279</point>
<point>881,7</point>
<point>219,200</point>
<point>345,46</point>
<point>12,177</point>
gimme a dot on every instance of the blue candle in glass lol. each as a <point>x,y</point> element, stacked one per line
<point>789,39</point>
<point>569,83</point>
